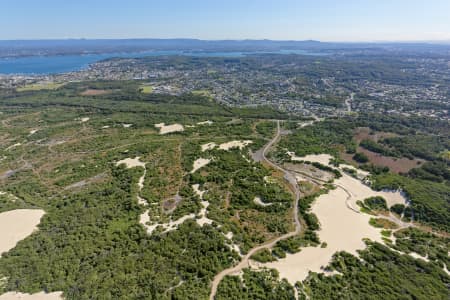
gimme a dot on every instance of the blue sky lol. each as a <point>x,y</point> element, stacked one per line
<point>326,20</point>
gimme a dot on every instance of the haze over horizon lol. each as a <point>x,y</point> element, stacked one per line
<point>323,20</point>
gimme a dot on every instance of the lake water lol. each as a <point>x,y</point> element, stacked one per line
<point>68,63</point>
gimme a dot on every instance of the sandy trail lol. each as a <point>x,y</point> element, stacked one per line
<point>244,263</point>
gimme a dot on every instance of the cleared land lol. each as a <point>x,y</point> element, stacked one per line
<point>15,225</point>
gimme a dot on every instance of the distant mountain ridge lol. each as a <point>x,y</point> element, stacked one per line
<point>17,48</point>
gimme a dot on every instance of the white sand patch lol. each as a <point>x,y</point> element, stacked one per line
<point>342,228</point>
<point>33,131</point>
<point>208,122</point>
<point>170,226</point>
<point>394,197</point>
<point>14,146</point>
<point>9,196</point>
<point>324,159</point>
<point>304,124</point>
<point>131,162</point>
<point>105,127</point>
<point>37,296</point>
<point>258,201</point>
<point>196,188</point>
<point>418,256</point>
<point>127,125</point>
<point>83,120</point>
<point>141,180</point>
<point>164,129</point>
<point>234,144</point>
<point>189,126</point>
<point>208,146</point>
<point>15,225</point>
<point>360,191</point>
<point>232,245</point>
<point>203,219</point>
<point>144,219</point>
<point>200,163</point>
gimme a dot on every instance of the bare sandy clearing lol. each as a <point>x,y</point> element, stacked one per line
<point>105,127</point>
<point>360,191</point>
<point>208,122</point>
<point>324,159</point>
<point>304,124</point>
<point>37,296</point>
<point>127,125</point>
<point>203,219</point>
<point>196,188</point>
<point>418,256</point>
<point>131,162</point>
<point>229,235</point>
<point>83,120</point>
<point>234,144</point>
<point>208,146</point>
<point>343,228</point>
<point>170,226</point>
<point>258,201</point>
<point>164,129</point>
<point>15,225</point>
<point>33,131</point>
<point>200,163</point>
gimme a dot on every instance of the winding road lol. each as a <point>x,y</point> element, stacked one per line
<point>269,244</point>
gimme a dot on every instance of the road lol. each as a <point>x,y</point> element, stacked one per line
<point>244,263</point>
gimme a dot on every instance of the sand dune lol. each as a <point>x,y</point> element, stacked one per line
<point>15,225</point>
<point>203,219</point>
<point>131,162</point>
<point>234,144</point>
<point>164,129</point>
<point>208,146</point>
<point>343,227</point>
<point>258,201</point>
<point>200,163</point>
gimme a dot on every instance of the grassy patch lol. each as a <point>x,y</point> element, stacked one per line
<point>40,86</point>
<point>146,89</point>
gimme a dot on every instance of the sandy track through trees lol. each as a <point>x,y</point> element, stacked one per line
<point>245,260</point>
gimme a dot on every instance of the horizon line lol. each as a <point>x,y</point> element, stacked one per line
<point>234,40</point>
